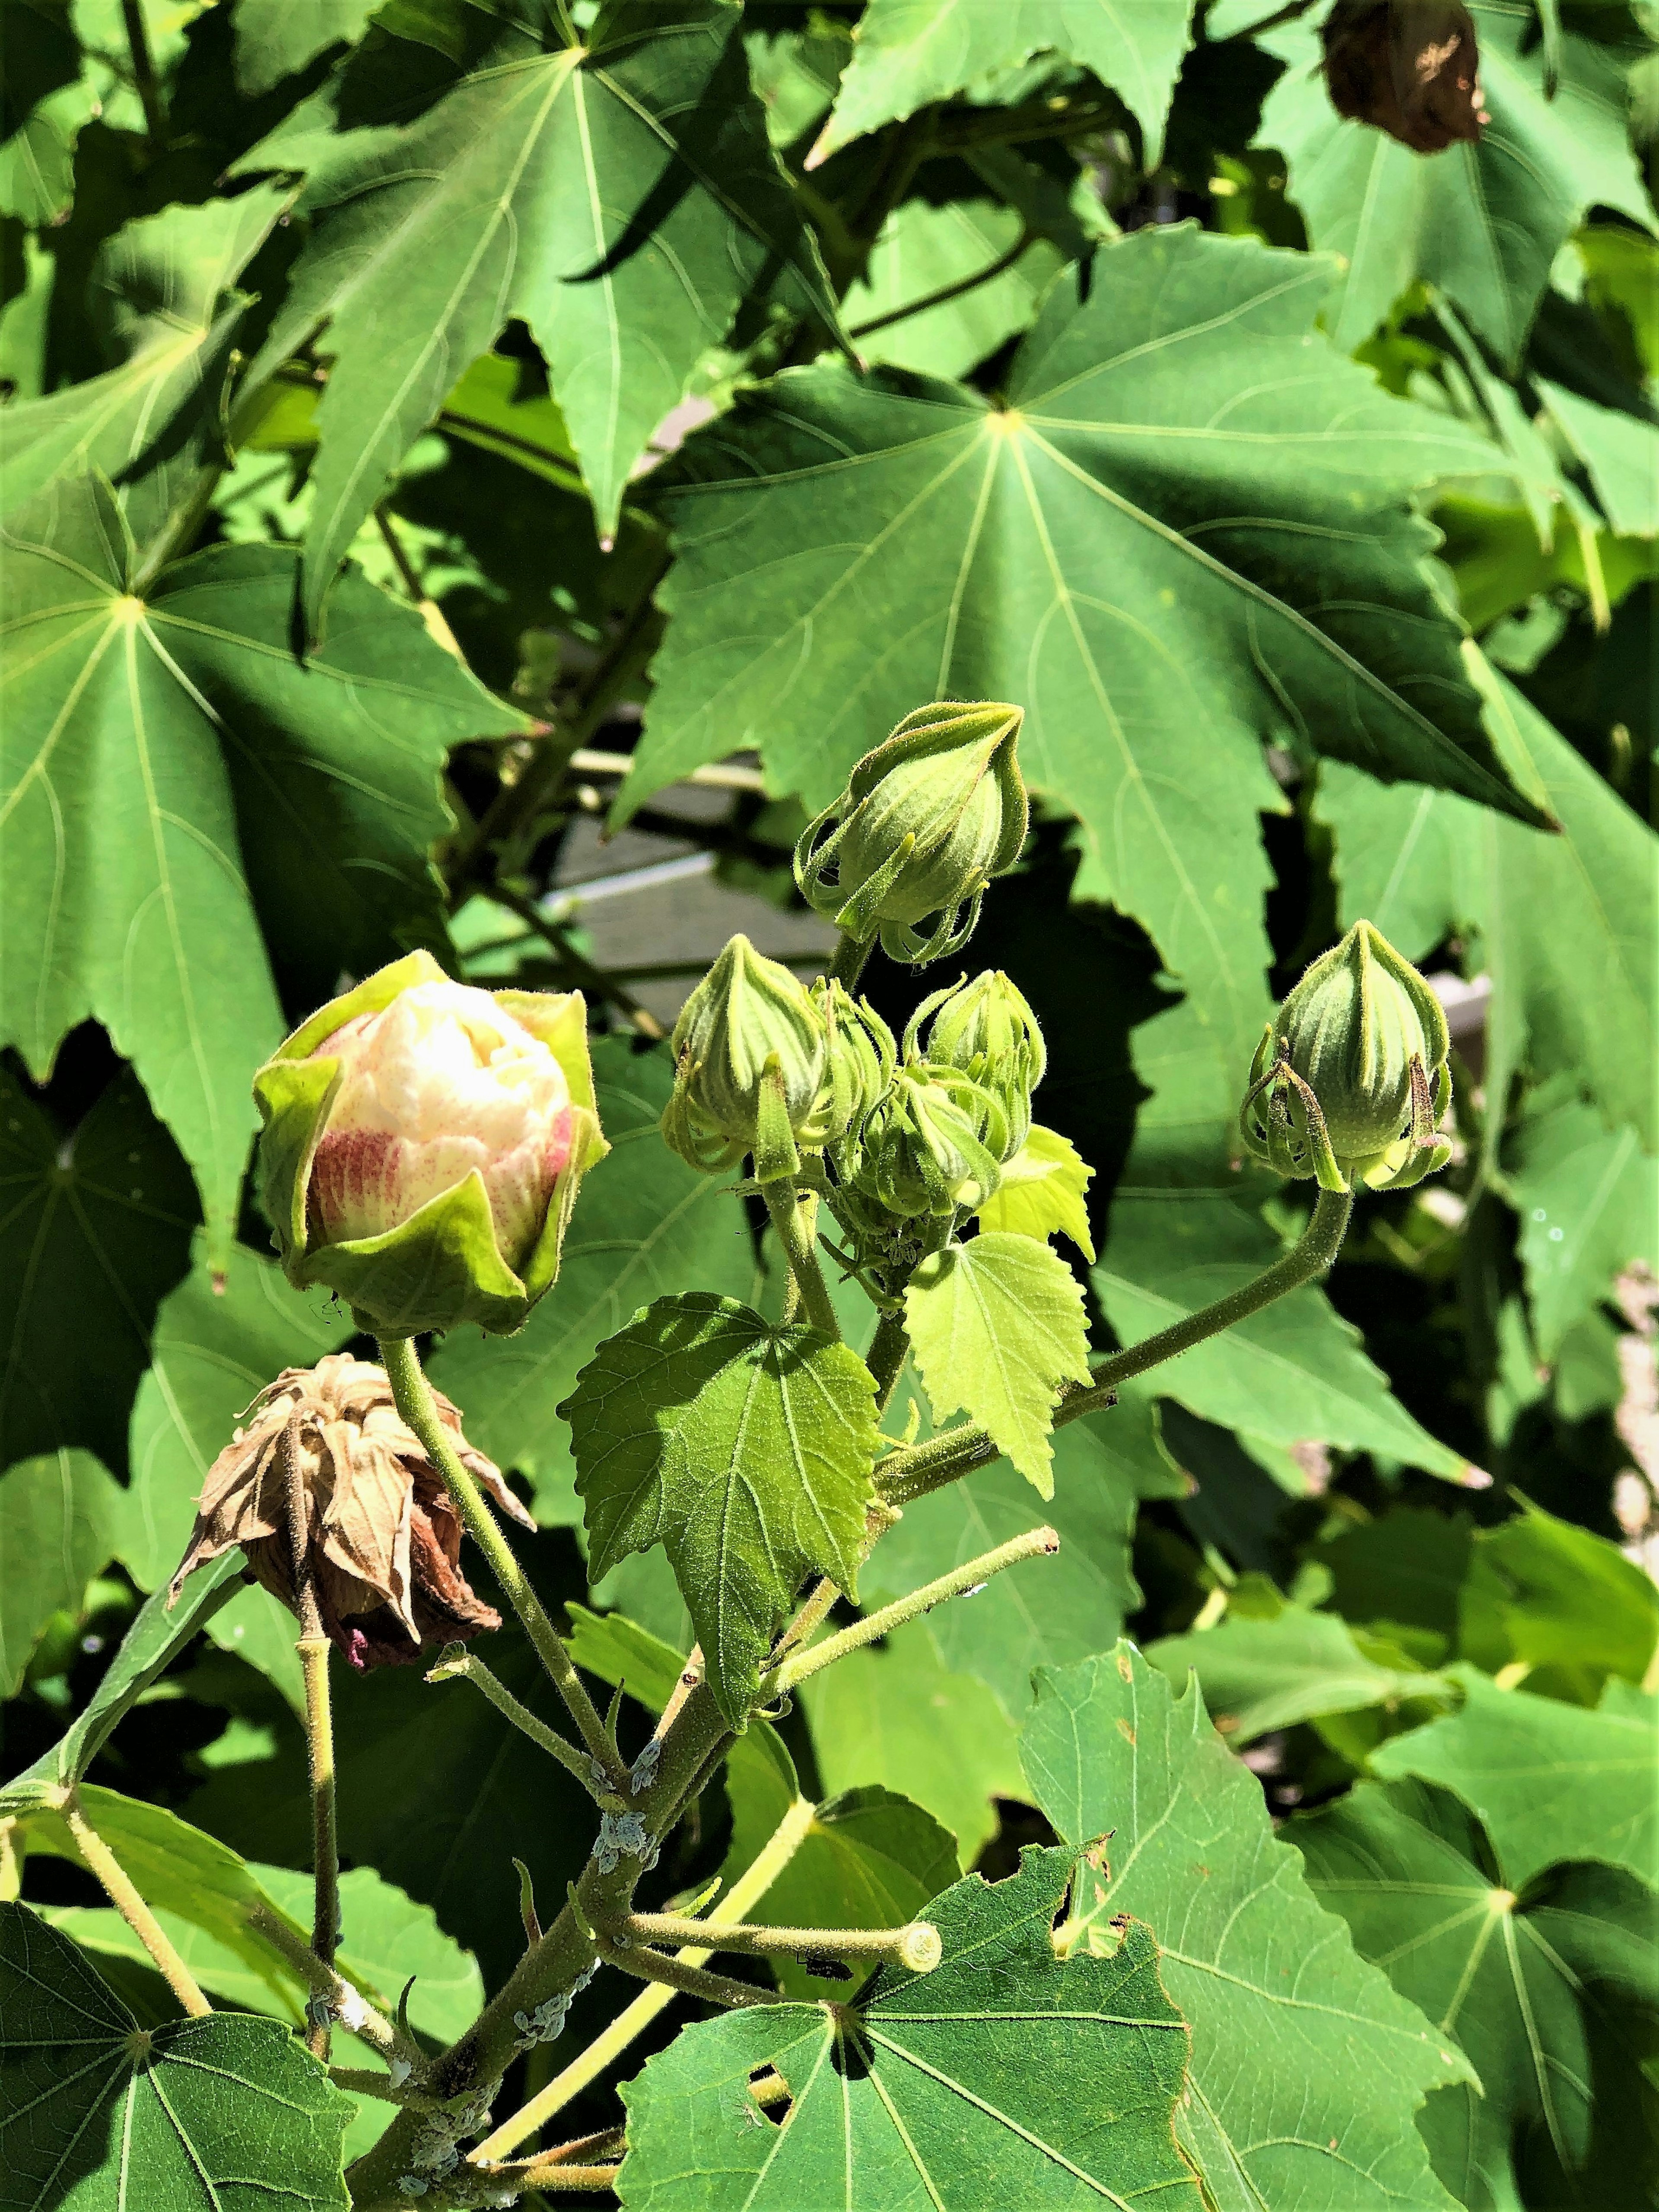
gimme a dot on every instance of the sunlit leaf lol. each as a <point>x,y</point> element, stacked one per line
<point>1262,1675</point>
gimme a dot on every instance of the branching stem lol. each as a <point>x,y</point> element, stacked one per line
<point>461,1665</point>
<point>414,1399</point>
<point>800,1248</point>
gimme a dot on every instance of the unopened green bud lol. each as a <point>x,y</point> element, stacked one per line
<point>862,1053</point>
<point>926,821</point>
<point>985,1028</point>
<point>933,1143</point>
<point>1350,1081</point>
<point>751,1069</point>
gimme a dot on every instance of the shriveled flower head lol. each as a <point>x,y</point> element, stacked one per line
<point>1409,67</point>
<point>382,1534</point>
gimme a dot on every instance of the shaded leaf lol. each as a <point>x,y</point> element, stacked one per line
<point>647,1225</point>
<point>275,38</point>
<point>1551,1782</point>
<point>194,2114</point>
<point>1546,1594</point>
<point>967,2086</point>
<point>46,99</point>
<point>1621,453</point>
<point>869,1859</point>
<point>1554,1995</point>
<point>909,53</point>
<point>1568,926</point>
<point>1483,222</point>
<point>61,1518</point>
<point>1262,1675</point>
<point>1189,529</point>
<point>997,1326</point>
<point>1588,1197</point>
<point>927,246</point>
<point>1306,2069</point>
<point>620,198</point>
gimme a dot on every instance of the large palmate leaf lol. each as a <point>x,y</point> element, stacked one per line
<point>997,1328</point>
<point>1550,1781</point>
<point>897,1717</point>
<point>1046,1611</point>
<point>1258,1674</point>
<point>1188,528</point>
<point>1554,1995</point>
<point>1306,2069</point>
<point>619,196</point>
<point>1568,926</point>
<point>1543,1593</point>
<point>169,317</point>
<point>909,53</point>
<point>745,1450</point>
<point>163,756</point>
<point>94,1229</point>
<point>193,2115</point>
<point>1483,222</point>
<point>1003,2078</point>
<point>1588,1197</point>
<point>647,1226</point>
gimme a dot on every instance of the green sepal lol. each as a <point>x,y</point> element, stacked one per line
<point>294,1098</point>
<point>586,1146</point>
<point>776,1157</point>
<point>437,1270</point>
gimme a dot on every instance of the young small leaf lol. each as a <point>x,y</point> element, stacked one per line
<point>997,1326</point>
<point>1003,2078</point>
<point>1042,1192</point>
<point>742,1448</point>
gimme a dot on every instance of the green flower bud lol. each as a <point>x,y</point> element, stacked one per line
<point>752,1069</point>
<point>986,1029</point>
<point>934,1143</point>
<point>925,822</point>
<point>1350,1080</point>
<point>422,1146</point>
<point>862,1053</point>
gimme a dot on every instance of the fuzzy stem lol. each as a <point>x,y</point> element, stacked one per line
<point>692,1981</point>
<point>875,1625</point>
<point>364,2081</point>
<point>746,1892</point>
<point>909,1944</point>
<point>413,1394</point>
<point>124,1897</point>
<point>314,1651</point>
<point>351,2009</point>
<point>852,955</point>
<point>909,1474</point>
<point>465,1665</point>
<point>800,1248</point>
<point>553,2178</point>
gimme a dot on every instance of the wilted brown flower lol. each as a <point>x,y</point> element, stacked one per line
<point>383,1536</point>
<point>1410,67</point>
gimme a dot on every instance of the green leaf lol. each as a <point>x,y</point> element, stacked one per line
<point>909,53</point>
<point>47,100</point>
<point>1483,222</point>
<point>647,1225</point>
<point>1306,2069</point>
<point>1619,452</point>
<point>1257,1675</point>
<point>1551,1993</point>
<point>927,246</point>
<point>1551,1782</point>
<point>1042,1191</point>
<point>61,1518</point>
<point>745,1450</point>
<point>1568,925</point>
<point>94,1231</point>
<point>869,1859</point>
<point>155,1638</point>
<point>276,39</point>
<point>170,318</point>
<point>898,1717</point>
<point>1543,1593</point>
<point>1588,1197</point>
<point>621,197</point>
<point>1408,1566</point>
<point>194,2115</point>
<point>165,755</point>
<point>1047,1611</point>
<point>1003,2078</point>
<point>997,1326</point>
<point>1189,529</point>
<point>487,410</point>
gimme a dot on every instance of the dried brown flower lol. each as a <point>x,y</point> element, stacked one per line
<point>1410,67</point>
<point>383,1537</point>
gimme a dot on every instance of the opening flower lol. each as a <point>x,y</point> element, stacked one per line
<point>422,1146</point>
<point>382,1534</point>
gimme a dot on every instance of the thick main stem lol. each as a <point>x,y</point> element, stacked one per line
<point>123,1894</point>
<point>314,1651</point>
<point>413,1394</point>
<point>906,1475</point>
<point>800,1248</point>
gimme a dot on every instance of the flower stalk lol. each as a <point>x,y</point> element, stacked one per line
<point>314,1651</point>
<point>801,1251</point>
